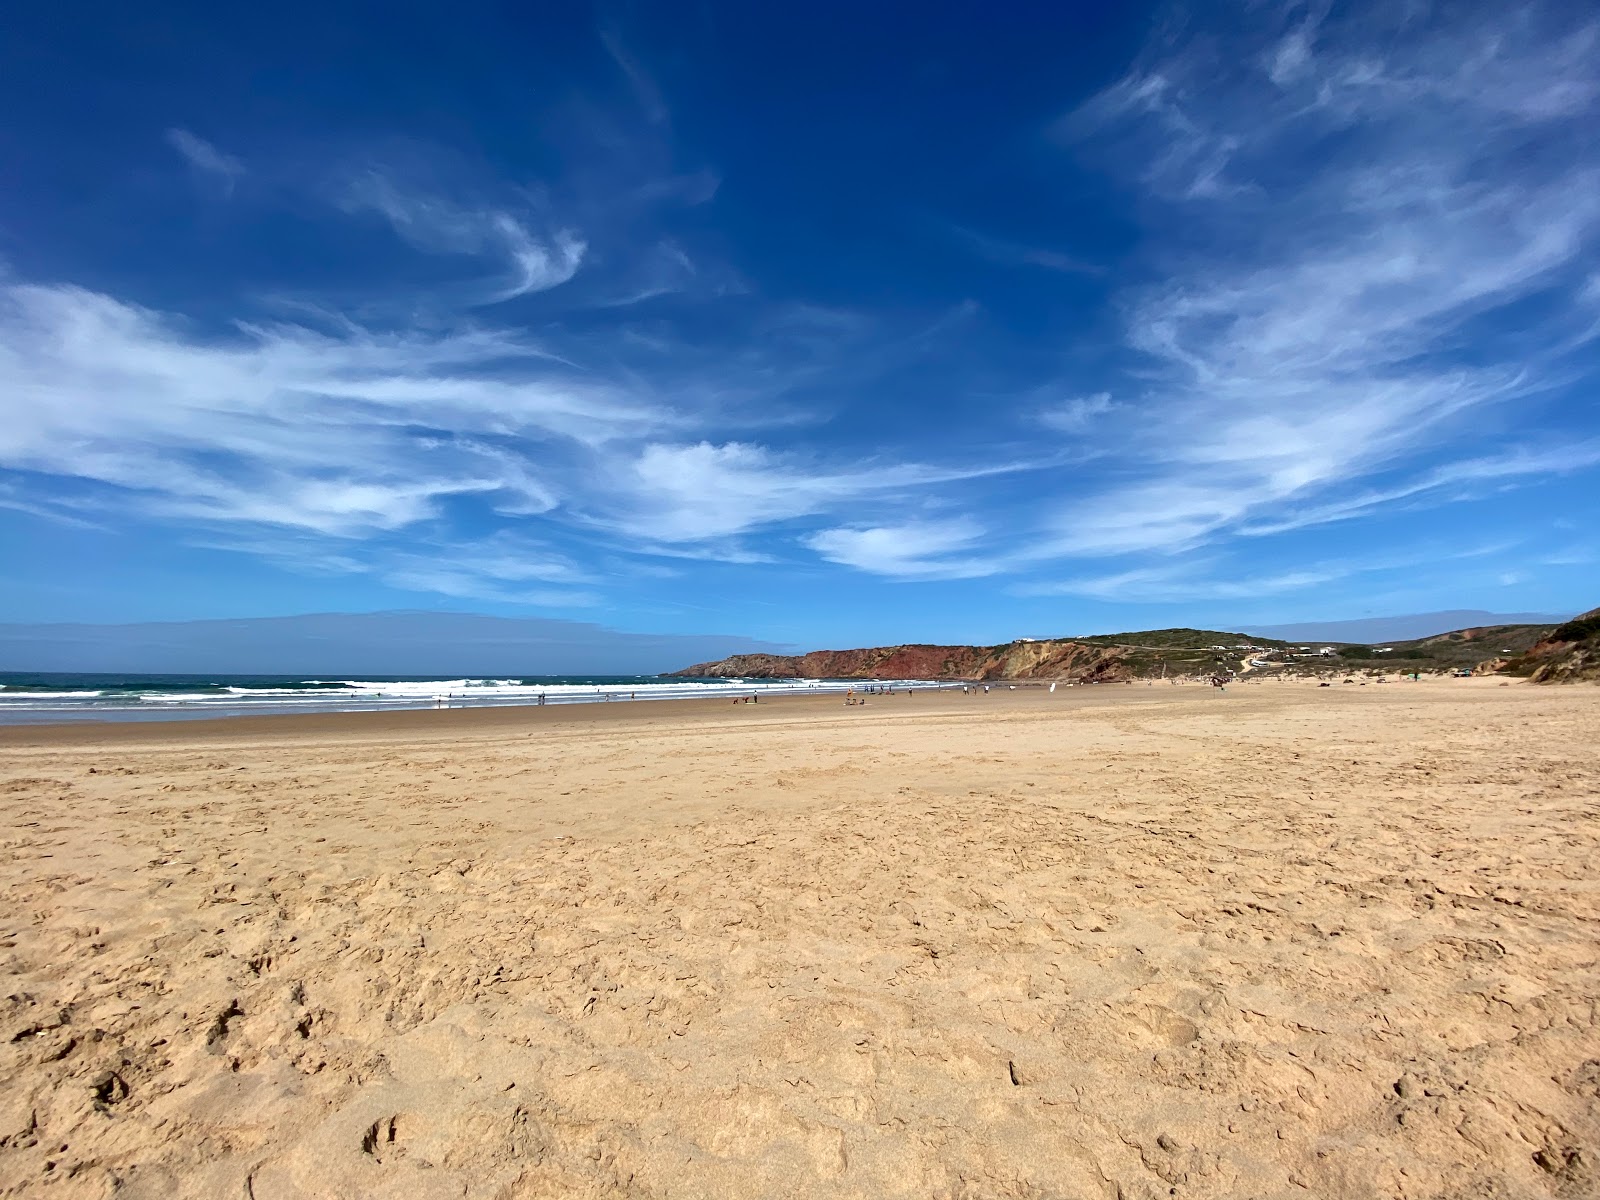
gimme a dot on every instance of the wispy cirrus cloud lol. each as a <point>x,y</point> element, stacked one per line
<point>917,549</point>
<point>323,446</point>
<point>1360,199</point>
<point>439,225</point>
<point>1208,577</point>
<point>205,158</point>
<point>640,80</point>
<point>1155,585</point>
<point>1076,414</point>
<point>504,568</point>
<point>1006,252</point>
<point>13,497</point>
<point>342,433</point>
<point>1437,484</point>
<point>705,492</point>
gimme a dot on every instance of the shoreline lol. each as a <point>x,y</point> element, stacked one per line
<point>134,699</point>
<point>510,718</point>
<point>432,723</point>
<point>160,718</point>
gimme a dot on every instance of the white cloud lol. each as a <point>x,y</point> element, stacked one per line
<point>1452,477</point>
<point>1575,556</point>
<point>1019,254</point>
<point>503,568</point>
<point>705,492</point>
<point>1354,212</point>
<point>1077,414</point>
<point>346,437</point>
<point>341,434</point>
<point>911,550</point>
<point>644,87</point>
<point>205,158</point>
<point>1183,584</point>
<point>11,497</point>
<point>1212,577</point>
<point>440,226</point>
<point>1290,57</point>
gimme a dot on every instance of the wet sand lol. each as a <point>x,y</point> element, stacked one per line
<point>1116,941</point>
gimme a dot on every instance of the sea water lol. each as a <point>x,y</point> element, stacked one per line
<point>39,698</point>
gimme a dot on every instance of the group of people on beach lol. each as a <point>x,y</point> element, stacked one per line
<point>877,689</point>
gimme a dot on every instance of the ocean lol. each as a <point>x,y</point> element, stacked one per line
<point>28,698</point>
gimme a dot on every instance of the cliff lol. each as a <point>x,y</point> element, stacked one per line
<point>1193,653</point>
<point>1569,653</point>
<point>1053,659</point>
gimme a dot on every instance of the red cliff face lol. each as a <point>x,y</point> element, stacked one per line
<point>1015,660</point>
<point>1571,653</point>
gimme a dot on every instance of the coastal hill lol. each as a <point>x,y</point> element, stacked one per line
<point>1097,658</point>
<point>1482,649</point>
<point>1569,652</point>
<point>1015,660</point>
<point>1142,655</point>
<point>1401,627</point>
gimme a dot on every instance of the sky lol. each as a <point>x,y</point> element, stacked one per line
<point>340,645</point>
<point>820,325</point>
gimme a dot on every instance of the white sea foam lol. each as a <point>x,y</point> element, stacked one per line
<point>32,695</point>
<point>354,695</point>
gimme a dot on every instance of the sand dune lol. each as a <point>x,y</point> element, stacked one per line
<point>1118,942</point>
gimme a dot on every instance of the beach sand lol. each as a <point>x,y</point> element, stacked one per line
<point>1128,942</point>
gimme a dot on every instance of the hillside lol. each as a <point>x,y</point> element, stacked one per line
<point>1016,660</point>
<point>1092,659</point>
<point>1460,649</point>
<point>1568,653</point>
<point>1182,638</point>
<point>1138,655</point>
<point>1406,627</point>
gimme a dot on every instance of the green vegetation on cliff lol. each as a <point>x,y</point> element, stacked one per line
<point>1568,653</point>
<point>1162,639</point>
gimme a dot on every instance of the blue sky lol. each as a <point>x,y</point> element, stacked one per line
<point>818,325</point>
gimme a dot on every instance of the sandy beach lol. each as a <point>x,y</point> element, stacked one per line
<point>1129,942</point>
